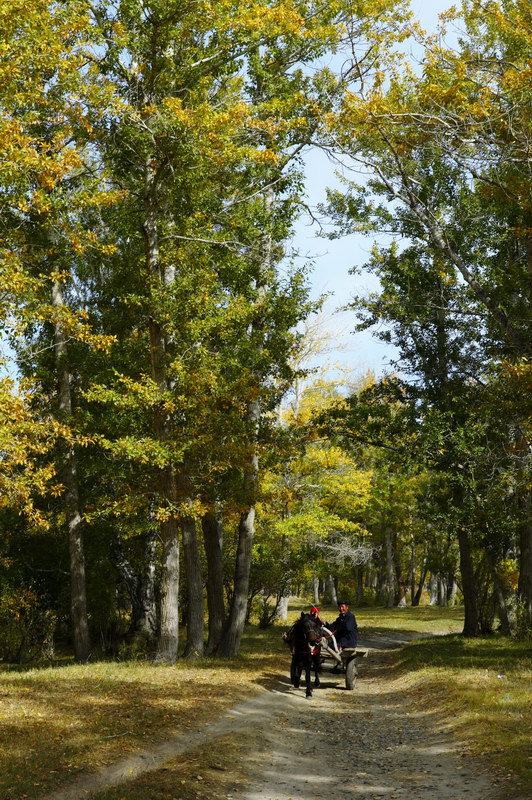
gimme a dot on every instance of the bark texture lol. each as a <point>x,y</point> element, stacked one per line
<point>390,574</point>
<point>195,644</point>
<point>234,628</point>
<point>140,587</point>
<point>78,591</point>
<point>469,589</point>
<point>212,540</point>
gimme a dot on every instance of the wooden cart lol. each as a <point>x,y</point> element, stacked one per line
<point>344,660</point>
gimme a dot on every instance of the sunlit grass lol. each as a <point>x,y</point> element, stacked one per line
<point>483,686</point>
<point>57,722</point>
<point>422,619</point>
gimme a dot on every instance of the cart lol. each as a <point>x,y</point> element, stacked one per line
<point>345,660</point>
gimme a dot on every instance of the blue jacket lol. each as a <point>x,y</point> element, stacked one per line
<point>345,629</point>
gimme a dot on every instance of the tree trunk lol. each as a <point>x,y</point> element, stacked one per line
<point>234,627</point>
<point>168,642</point>
<point>140,588</point>
<point>330,590</point>
<point>452,589</point>
<point>412,570</point>
<point>148,622</point>
<point>523,448</point>
<point>359,583</point>
<point>194,645</point>
<point>212,539</point>
<point>316,590</point>
<point>469,589</point>
<point>433,590</point>
<point>419,591</point>
<point>281,610</point>
<point>400,583</point>
<point>500,601</point>
<point>78,606</point>
<point>442,591</point>
<point>129,578</point>
<point>524,586</point>
<point>78,591</point>
<point>390,577</point>
<point>422,578</point>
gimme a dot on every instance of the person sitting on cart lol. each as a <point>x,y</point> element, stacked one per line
<point>344,628</point>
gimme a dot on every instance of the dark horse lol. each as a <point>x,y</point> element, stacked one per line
<point>304,638</point>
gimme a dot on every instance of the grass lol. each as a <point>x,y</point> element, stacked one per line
<point>483,686</point>
<point>201,775</point>
<point>60,721</point>
<point>420,620</point>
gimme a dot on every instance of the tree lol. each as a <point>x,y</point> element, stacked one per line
<point>182,122</point>
<point>445,146</point>
<point>46,126</point>
<point>312,500</point>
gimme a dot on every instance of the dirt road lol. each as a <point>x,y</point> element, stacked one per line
<point>367,744</point>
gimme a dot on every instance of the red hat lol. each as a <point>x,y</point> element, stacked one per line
<point>314,610</point>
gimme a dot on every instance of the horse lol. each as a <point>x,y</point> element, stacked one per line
<point>304,638</point>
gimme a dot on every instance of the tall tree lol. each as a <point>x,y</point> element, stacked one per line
<point>448,146</point>
<point>47,122</point>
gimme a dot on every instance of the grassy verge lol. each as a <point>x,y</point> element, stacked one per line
<point>483,687</point>
<point>57,722</point>
<point>421,620</point>
<point>199,775</point>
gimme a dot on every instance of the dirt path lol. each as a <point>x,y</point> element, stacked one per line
<point>367,744</point>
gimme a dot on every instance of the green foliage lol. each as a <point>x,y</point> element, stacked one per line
<point>152,174</point>
<point>454,293</point>
<point>26,627</point>
<point>523,628</point>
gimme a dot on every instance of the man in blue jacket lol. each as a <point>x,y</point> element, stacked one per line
<point>344,627</point>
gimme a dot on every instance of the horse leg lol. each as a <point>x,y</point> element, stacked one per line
<point>316,666</point>
<point>308,666</point>
<point>295,672</point>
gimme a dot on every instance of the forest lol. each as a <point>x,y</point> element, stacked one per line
<point>171,463</point>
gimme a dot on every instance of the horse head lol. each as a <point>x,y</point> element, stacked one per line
<point>310,628</point>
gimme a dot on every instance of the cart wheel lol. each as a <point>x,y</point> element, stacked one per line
<point>350,673</point>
